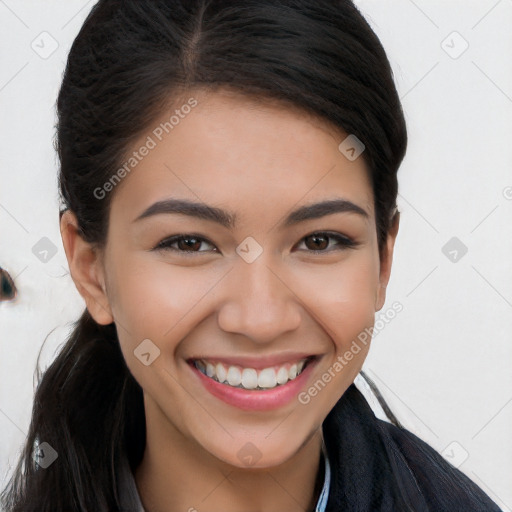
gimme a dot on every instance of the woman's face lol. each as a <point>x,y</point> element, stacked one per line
<point>252,298</point>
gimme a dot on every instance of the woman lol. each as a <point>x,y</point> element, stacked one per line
<point>228,176</point>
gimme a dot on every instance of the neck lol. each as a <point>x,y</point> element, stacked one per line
<point>177,474</point>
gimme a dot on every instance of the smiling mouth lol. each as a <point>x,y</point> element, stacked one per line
<point>249,378</point>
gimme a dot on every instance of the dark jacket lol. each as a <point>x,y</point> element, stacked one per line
<point>375,467</point>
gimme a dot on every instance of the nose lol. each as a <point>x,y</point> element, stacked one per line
<point>259,304</point>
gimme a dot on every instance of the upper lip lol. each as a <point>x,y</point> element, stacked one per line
<point>257,362</point>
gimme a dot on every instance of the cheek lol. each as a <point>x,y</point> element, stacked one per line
<point>342,296</point>
<point>150,298</point>
<point>160,294</point>
<point>155,301</point>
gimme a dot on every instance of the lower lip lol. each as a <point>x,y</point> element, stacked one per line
<point>253,400</point>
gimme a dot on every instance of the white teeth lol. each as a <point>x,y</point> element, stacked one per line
<point>267,378</point>
<point>221,372</point>
<point>282,375</point>
<point>234,376</point>
<point>249,378</point>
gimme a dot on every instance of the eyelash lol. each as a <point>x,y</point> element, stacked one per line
<point>344,243</point>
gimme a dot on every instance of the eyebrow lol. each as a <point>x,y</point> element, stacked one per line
<point>228,219</point>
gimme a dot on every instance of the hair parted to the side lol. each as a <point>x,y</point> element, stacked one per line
<point>130,59</point>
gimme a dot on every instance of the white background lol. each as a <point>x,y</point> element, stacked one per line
<point>444,362</point>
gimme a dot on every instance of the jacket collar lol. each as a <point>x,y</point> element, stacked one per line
<point>368,472</point>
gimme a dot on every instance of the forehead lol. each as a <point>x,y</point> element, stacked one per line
<point>258,157</point>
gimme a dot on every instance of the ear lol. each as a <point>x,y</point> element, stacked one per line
<point>86,268</point>
<point>386,259</point>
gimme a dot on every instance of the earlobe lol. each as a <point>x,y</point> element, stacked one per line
<point>85,266</point>
<point>386,260</point>
<point>380,297</point>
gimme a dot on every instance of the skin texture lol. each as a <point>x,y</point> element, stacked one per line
<point>259,160</point>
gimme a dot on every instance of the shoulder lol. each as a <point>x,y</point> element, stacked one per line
<point>444,487</point>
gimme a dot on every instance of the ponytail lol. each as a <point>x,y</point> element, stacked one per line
<point>90,410</point>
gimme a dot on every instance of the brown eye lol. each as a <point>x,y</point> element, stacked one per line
<point>320,241</point>
<point>186,244</point>
<point>317,242</point>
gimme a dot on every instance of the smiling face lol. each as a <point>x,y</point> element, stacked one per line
<point>260,282</point>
